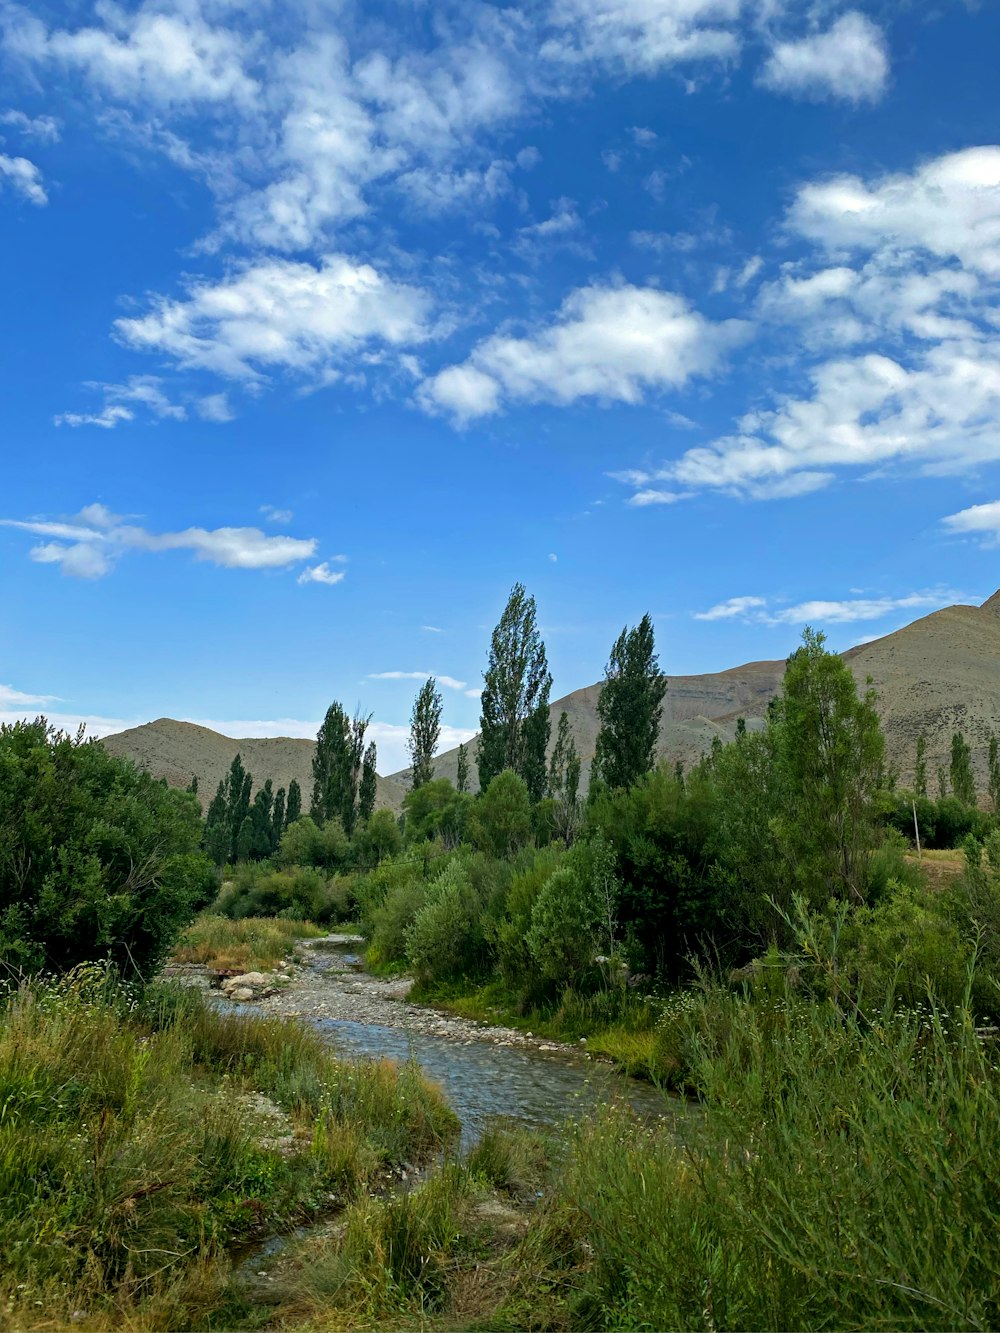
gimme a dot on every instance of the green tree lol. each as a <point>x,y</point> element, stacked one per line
<point>379,838</point>
<point>920,767</point>
<point>514,727</point>
<point>832,755</point>
<point>368,787</point>
<point>942,778</point>
<point>963,783</point>
<point>425,733</point>
<point>277,820</point>
<point>244,840</point>
<point>217,839</point>
<point>574,917</point>
<point>435,810</point>
<point>260,819</point>
<point>500,820</point>
<point>97,859</point>
<point>337,767</point>
<point>193,785</point>
<point>462,775</point>
<point>630,706</point>
<point>564,781</point>
<point>294,808</point>
<point>994,774</point>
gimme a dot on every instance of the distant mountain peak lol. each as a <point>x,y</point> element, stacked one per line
<point>993,603</point>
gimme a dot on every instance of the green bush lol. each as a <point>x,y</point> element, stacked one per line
<point>444,939</point>
<point>97,859</point>
<point>499,821</point>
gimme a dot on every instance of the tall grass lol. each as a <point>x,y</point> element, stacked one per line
<point>250,944</point>
<point>845,1178</point>
<point>132,1152</point>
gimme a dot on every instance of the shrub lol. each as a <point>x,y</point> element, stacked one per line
<point>499,822</point>
<point>97,859</point>
<point>444,939</point>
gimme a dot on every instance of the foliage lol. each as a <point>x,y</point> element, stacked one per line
<point>435,810</point>
<point>338,761</point>
<point>963,782</point>
<point>299,892</point>
<point>564,782</point>
<point>132,1153</point>
<point>629,706</point>
<point>304,843</point>
<point>500,820</point>
<point>251,944</point>
<point>368,786</point>
<point>425,733</point>
<point>514,727</point>
<point>377,839</point>
<point>444,939</point>
<point>462,772</point>
<point>831,754</point>
<point>97,860</point>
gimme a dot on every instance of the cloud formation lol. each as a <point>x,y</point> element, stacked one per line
<point>609,344</point>
<point>765,611</point>
<point>449,682</point>
<point>280,314</point>
<point>981,520</point>
<point>848,61</point>
<point>24,178</point>
<point>89,545</point>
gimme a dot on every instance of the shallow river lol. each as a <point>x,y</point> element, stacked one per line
<point>483,1079</point>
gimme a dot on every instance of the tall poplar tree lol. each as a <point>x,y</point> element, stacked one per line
<point>630,707</point>
<point>278,818</point>
<point>831,760</point>
<point>368,787</point>
<point>293,810</point>
<point>564,780</point>
<point>337,765</point>
<point>963,784</point>
<point>994,774</point>
<point>920,767</point>
<point>514,726</point>
<point>462,775</point>
<point>425,733</point>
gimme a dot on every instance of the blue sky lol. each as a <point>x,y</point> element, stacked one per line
<point>326,323</point>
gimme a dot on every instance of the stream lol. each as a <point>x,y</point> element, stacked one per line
<point>484,1071</point>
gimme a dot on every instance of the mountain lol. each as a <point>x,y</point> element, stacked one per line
<point>939,675</point>
<point>178,751</point>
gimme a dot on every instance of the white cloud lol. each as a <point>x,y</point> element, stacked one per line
<point>910,305</point>
<point>322,573</point>
<point>761,611</point>
<point>215,407</point>
<point>648,496</point>
<point>282,314</point>
<point>24,178</point>
<point>95,726</point>
<point>10,698</point>
<point>432,629</point>
<point>849,61</point>
<point>449,682</point>
<point>949,208</point>
<point>641,36</point>
<point>274,515</point>
<point>980,520</point>
<point>91,547</point>
<point>118,398</point>
<point>732,608</point>
<point>43,128</point>
<point>475,693</point>
<point>553,557</point>
<point>612,344</point>
<point>160,57</point>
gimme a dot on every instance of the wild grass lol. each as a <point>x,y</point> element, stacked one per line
<point>133,1150</point>
<point>250,944</point>
<point>843,1176</point>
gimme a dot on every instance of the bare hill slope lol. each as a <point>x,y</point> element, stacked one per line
<point>939,675</point>
<point>179,751</point>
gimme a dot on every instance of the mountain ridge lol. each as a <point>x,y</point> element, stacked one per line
<point>937,675</point>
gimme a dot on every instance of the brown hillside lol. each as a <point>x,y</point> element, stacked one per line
<point>178,751</point>
<point>939,675</point>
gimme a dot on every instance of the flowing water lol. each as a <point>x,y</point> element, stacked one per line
<point>483,1079</point>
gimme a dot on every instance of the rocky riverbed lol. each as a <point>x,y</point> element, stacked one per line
<point>327,982</point>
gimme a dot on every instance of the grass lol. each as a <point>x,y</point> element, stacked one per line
<point>844,1177</point>
<point>250,944</point>
<point>142,1134</point>
<point>617,1025</point>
